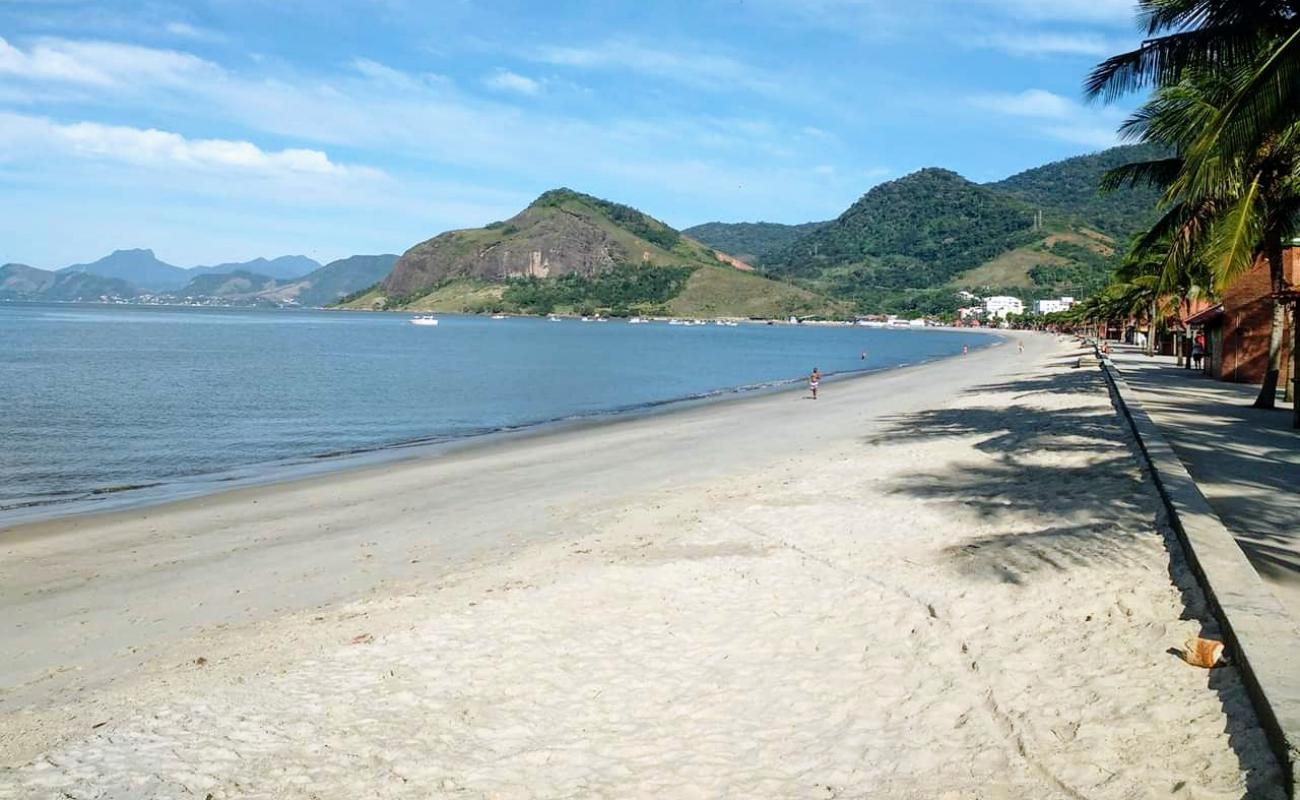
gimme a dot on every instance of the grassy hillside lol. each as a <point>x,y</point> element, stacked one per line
<point>722,292</point>
<point>1074,262</point>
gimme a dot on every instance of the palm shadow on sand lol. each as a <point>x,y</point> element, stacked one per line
<point>1068,515</point>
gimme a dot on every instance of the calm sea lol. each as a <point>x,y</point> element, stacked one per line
<point>102,406</point>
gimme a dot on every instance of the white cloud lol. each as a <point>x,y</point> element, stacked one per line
<point>100,64</point>
<point>1029,103</point>
<point>696,67</point>
<point>920,19</point>
<point>1055,116</point>
<point>1098,136</point>
<point>184,30</point>
<point>1048,44</point>
<point>1100,11</point>
<point>167,150</point>
<point>504,80</point>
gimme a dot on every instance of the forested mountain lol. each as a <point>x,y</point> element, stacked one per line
<point>934,218</point>
<point>749,241</point>
<point>1069,189</point>
<point>908,245</point>
<point>569,251</point>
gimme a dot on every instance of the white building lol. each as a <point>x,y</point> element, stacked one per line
<point>1002,305</point>
<point>1053,306</point>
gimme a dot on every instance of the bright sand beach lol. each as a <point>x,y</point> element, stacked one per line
<point>947,581</point>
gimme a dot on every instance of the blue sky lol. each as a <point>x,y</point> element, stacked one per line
<point>219,130</point>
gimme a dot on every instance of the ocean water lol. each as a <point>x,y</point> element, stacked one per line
<point>102,406</point>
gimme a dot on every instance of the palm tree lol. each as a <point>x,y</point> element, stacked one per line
<point>1224,205</point>
<point>1214,36</point>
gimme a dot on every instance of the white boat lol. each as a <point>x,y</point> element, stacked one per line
<point>424,320</point>
<point>554,318</point>
<point>498,316</point>
<point>637,321</point>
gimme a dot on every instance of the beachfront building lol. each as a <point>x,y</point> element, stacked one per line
<point>1237,329</point>
<point>1001,306</point>
<point>1053,306</point>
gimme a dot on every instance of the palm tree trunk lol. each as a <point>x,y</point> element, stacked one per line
<point>1151,330</point>
<point>1295,364</point>
<point>1268,392</point>
<point>1185,333</point>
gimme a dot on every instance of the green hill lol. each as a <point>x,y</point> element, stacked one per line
<point>750,241</point>
<point>1068,191</point>
<point>933,224</point>
<point>909,245</point>
<point>239,283</point>
<point>571,252</point>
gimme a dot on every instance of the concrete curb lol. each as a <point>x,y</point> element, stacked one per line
<point>1260,635</point>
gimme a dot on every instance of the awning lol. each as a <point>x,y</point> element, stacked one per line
<point>1204,317</point>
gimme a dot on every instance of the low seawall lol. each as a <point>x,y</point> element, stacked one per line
<point>1261,637</point>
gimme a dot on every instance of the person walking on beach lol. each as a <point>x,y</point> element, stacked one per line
<point>1020,347</point>
<point>965,349</point>
<point>814,380</point>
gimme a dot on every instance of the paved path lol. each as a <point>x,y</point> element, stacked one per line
<point>1246,461</point>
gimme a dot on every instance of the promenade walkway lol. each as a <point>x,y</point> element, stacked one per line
<point>1245,461</point>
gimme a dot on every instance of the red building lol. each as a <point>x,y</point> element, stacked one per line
<point>1237,329</point>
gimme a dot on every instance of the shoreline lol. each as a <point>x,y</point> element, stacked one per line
<point>112,499</point>
<point>942,581</point>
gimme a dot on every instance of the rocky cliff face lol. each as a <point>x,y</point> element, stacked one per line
<point>563,232</point>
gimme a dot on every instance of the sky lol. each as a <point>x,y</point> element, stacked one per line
<point>222,130</point>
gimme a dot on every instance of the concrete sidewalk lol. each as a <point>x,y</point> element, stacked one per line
<point>1245,461</point>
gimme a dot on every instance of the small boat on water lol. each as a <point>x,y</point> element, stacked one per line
<point>424,320</point>
<point>637,321</point>
<point>498,316</point>
<point>554,318</point>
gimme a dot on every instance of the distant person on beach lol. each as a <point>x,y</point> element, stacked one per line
<point>1020,347</point>
<point>863,356</point>
<point>814,380</point>
<point>965,349</point>
<point>1198,351</point>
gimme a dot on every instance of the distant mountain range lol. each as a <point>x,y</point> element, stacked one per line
<point>129,274</point>
<point>144,270</point>
<point>906,246</point>
<point>571,252</point>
